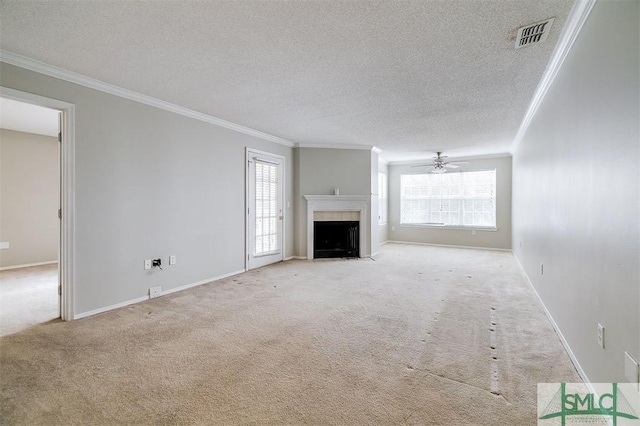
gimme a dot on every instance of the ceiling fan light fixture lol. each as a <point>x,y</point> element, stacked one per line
<point>440,165</point>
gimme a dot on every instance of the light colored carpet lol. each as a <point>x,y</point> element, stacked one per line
<point>421,335</point>
<point>28,296</point>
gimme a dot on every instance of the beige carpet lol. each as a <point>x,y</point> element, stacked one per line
<point>28,296</point>
<point>421,335</point>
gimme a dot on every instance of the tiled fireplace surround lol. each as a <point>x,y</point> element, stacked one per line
<point>336,208</point>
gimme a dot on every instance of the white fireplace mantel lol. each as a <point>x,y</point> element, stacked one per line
<point>336,203</point>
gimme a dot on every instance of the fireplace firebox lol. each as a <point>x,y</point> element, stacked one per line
<point>336,239</point>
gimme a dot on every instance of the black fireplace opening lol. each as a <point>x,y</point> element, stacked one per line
<point>336,239</point>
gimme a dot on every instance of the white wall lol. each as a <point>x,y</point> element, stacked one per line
<point>150,183</point>
<point>29,198</point>
<point>576,193</point>
<point>319,171</point>
<point>374,235</point>
<point>383,230</point>
<point>500,239</point>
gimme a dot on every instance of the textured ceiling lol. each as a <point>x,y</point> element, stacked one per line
<point>409,77</point>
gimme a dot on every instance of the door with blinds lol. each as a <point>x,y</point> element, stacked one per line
<point>264,209</point>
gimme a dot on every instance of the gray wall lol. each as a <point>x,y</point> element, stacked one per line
<point>29,198</point>
<point>576,189</point>
<point>319,171</point>
<point>150,183</point>
<point>500,239</point>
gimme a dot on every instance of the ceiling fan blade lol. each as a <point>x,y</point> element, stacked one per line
<point>421,165</point>
<point>459,162</point>
<point>451,166</point>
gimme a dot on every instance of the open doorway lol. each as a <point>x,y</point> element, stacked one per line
<point>29,215</point>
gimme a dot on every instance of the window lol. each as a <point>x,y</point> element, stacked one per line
<point>382,198</point>
<point>449,199</point>
<point>266,208</point>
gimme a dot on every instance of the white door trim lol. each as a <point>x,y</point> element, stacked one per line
<point>247,246</point>
<point>67,190</point>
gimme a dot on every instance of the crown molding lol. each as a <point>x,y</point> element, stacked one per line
<point>338,146</point>
<point>577,17</point>
<point>452,159</point>
<point>72,77</point>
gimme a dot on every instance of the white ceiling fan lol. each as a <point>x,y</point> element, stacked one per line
<point>440,165</point>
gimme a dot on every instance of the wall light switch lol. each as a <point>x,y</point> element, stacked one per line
<point>4,245</point>
<point>147,264</point>
<point>601,335</point>
<point>474,232</point>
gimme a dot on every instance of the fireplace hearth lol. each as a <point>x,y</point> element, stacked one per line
<point>336,239</point>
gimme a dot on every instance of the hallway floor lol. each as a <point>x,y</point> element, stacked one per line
<point>28,296</point>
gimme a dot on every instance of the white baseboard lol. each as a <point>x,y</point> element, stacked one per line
<point>109,308</point>
<point>184,287</point>
<point>447,245</point>
<point>296,257</point>
<point>28,265</point>
<point>165,292</point>
<point>379,245</point>
<point>573,358</point>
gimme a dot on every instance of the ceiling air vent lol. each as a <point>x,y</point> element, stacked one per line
<point>534,33</point>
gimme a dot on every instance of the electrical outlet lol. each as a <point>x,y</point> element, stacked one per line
<point>631,370</point>
<point>147,264</point>
<point>601,335</point>
<point>172,260</point>
<point>542,269</point>
<point>474,232</point>
<point>393,228</point>
<point>4,245</point>
<point>155,292</point>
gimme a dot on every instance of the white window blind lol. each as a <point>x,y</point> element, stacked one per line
<point>266,207</point>
<point>382,198</point>
<point>452,199</point>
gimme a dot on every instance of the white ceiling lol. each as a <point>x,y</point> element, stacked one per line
<point>411,77</point>
<point>28,118</point>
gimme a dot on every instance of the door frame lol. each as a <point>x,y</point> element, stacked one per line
<point>247,246</point>
<point>66,255</point>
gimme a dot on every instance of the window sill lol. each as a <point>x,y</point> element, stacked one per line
<point>462,228</point>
